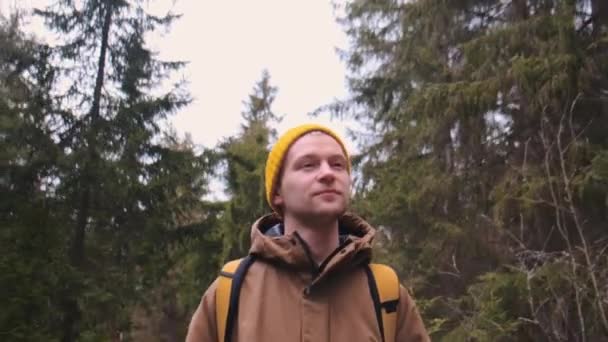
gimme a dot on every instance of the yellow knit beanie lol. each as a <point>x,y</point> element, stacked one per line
<point>279,151</point>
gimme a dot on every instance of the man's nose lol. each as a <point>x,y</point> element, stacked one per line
<point>326,172</point>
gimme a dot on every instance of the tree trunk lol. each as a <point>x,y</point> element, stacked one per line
<point>600,16</point>
<point>519,10</point>
<point>77,246</point>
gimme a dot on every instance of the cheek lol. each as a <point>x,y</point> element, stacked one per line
<point>290,188</point>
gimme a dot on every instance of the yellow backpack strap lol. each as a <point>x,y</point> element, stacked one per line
<point>384,289</point>
<point>227,295</point>
<point>222,296</point>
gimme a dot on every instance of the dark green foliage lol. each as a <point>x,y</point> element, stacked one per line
<point>32,262</point>
<point>486,120</point>
<point>98,201</point>
<point>484,164</point>
<point>243,159</point>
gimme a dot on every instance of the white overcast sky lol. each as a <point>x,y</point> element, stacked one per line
<point>229,43</point>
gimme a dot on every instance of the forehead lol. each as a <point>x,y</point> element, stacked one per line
<point>314,143</point>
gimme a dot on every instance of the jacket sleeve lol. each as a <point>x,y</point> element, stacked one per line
<point>203,326</point>
<point>410,327</point>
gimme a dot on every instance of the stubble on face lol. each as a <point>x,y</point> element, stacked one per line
<point>314,182</point>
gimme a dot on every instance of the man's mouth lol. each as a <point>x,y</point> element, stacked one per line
<point>330,191</point>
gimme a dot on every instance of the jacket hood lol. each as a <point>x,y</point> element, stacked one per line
<point>269,242</point>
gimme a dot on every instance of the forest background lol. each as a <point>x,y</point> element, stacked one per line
<point>482,159</point>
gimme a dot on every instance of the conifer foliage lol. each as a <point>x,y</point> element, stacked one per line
<point>97,192</point>
<point>485,159</point>
<point>483,162</point>
<point>242,160</point>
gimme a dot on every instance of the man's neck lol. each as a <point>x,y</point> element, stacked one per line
<point>321,237</point>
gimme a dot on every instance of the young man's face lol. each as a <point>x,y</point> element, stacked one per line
<point>315,183</point>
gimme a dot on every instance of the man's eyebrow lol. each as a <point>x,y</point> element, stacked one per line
<point>316,156</point>
<point>305,156</point>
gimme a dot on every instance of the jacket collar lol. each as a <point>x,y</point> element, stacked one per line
<point>269,242</point>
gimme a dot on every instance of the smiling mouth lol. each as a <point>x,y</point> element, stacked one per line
<point>334,192</point>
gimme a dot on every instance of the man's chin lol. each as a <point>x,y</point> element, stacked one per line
<point>331,212</point>
<point>325,213</point>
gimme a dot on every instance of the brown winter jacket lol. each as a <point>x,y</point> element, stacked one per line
<point>286,297</point>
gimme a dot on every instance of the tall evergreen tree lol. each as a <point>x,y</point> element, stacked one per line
<point>123,190</point>
<point>243,160</point>
<point>486,159</point>
<point>166,311</point>
<point>32,263</point>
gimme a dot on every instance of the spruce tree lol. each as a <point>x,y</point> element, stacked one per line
<point>32,262</point>
<point>123,189</point>
<point>483,159</point>
<point>243,160</point>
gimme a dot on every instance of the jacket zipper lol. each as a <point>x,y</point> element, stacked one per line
<point>313,266</point>
<point>316,270</point>
<point>330,256</point>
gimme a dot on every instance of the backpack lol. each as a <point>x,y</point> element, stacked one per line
<point>383,286</point>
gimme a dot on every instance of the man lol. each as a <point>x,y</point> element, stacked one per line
<point>308,281</point>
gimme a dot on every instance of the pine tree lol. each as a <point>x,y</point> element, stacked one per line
<point>166,310</point>
<point>32,266</point>
<point>123,190</point>
<point>487,124</point>
<point>243,159</point>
